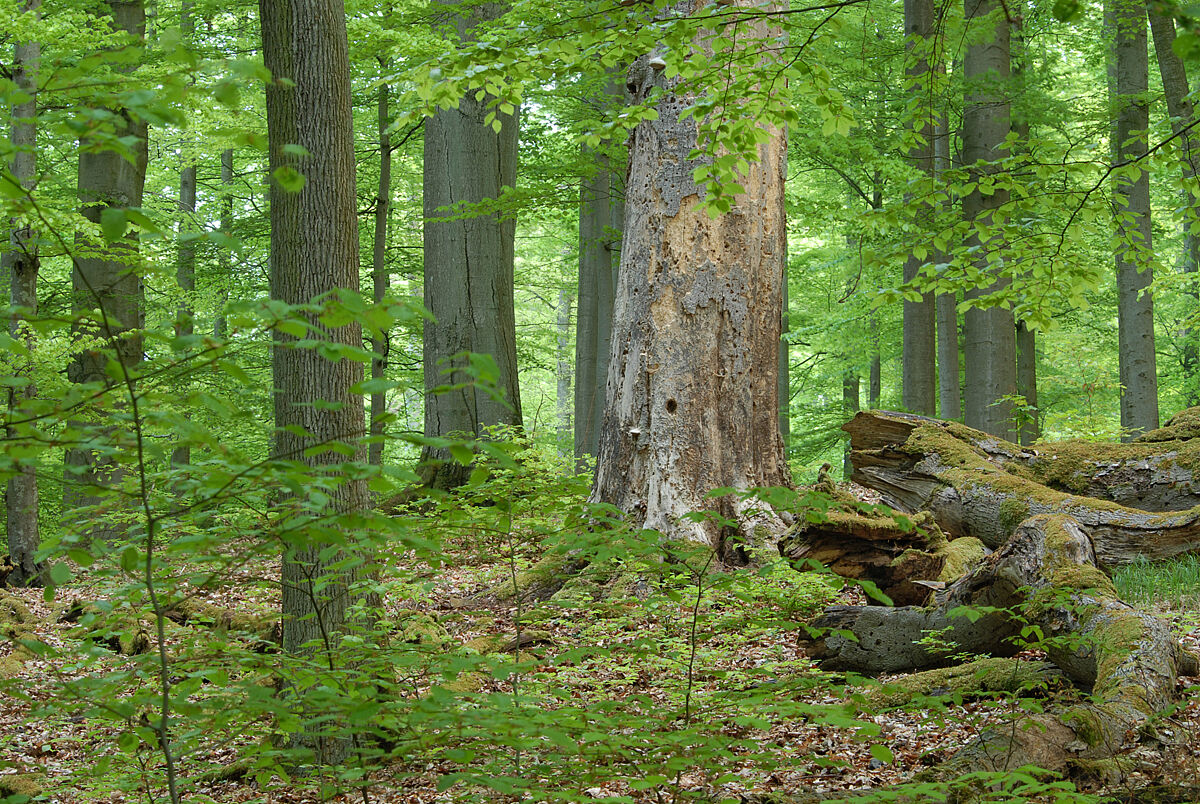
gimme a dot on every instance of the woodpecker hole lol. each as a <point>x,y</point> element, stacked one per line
<point>671,406</point>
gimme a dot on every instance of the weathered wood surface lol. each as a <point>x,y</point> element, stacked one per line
<point>1046,575</point>
<point>977,485</point>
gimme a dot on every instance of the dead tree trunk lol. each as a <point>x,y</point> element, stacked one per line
<point>1046,576</point>
<point>1133,500</point>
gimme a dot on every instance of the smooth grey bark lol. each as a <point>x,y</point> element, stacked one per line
<point>468,275</point>
<point>875,375</point>
<point>693,376</point>
<point>600,220</point>
<point>989,335</point>
<point>562,369</point>
<point>946,305</point>
<point>224,254</point>
<point>919,355</point>
<point>850,406</point>
<point>185,268</point>
<point>107,279</point>
<point>21,263</point>
<point>1030,425</point>
<point>1134,250</point>
<point>314,251</point>
<point>379,276</point>
<point>1183,116</point>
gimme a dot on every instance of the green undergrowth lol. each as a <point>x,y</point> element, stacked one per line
<point>1174,582</point>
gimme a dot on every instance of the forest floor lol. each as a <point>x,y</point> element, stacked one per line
<point>655,667</point>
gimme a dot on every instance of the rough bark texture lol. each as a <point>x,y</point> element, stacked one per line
<point>1183,115</point>
<point>1134,250</point>
<point>21,262</point>
<point>989,335</point>
<point>693,377</point>
<point>379,276</point>
<point>107,279</point>
<point>314,250</point>
<point>977,485</point>
<point>468,274</point>
<point>1047,575</point>
<point>919,359</point>
<point>600,219</point>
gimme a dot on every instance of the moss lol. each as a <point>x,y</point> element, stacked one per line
<point>13,612</point>
<point>418,628</point>
<point>492,643</point>
<point>973,679</point>
<point>1087,725</point>
<point>1013,512</point>
<point>1109,770</point>
<point>21,784</point>
<point>1183,425</point>
<point>538,582</point>
<point>962,555</point>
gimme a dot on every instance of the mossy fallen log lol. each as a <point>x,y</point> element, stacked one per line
<point>977,485</point>
<point>1044,582</point>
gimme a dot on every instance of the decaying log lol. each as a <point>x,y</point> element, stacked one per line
<point>1045,576</point>
<point>977,485</point>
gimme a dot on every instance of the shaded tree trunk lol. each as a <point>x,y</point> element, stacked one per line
<point>785,366</point>
<point>185,258</point>
<point>850,406</point>
<point>314,251</point>
<point>875,372</point>
<point>108,279</point>
<point>1030,420</point>
<point>379,277</point>
<point>1134,250</point>
<point>1183,115</point>
<point>693,377</point>
<point>946,304</point>
<point>468,276</point>
<point>225,253</point>
<point>989,335</point>
<point>562,367</point>
<point>22,263</point>
<point>600,221</point>
<point>919,358</point>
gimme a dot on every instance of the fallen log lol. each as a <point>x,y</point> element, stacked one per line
<point>977,485</point>
<point>1046,578</point>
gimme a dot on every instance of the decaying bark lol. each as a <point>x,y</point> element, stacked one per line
<point>1044,576</point>
<point>978,485</point>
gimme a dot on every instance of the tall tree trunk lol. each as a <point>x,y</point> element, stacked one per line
<point>468,275</point>
<point>1183,116</point>
<point>379,276</point>
<point>693,378</point>
<point>562,369</point>
<point>1135,306</point>
<point>185,270</point>
<point>850,406</point>
<point>314,251</point>
<point>21,263</point>
<point>989,335</point>
<point>600,221</point>
<point>785,366</point>
<point>919,358</point>
<point>107,279</point>
<point>949,351</point>
<point>225,253</point>
<point>1030,421</point>
<point>875,375</point>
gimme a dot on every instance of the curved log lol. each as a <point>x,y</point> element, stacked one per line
<point>1044,576</point>
<point>977,485</point>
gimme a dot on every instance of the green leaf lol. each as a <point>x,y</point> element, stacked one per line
<point>113,224</point>
<point>882,753</point>
<point>130,558</point>
<point>60,573</point>
<point>289,179</point>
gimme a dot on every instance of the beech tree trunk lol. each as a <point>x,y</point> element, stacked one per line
<point>22,263</point>
<point>1183,115</point>
<point>468,275</point>
<point>225,252</point>
<point>851,394</point>
<point>107,279</point>
<point>379,276</point>
<point>989,335</point>
<point>919,358</point>
<point>1134,250</point>
<point>1030,428</point>
<point>314,250</point>
<point>185,267</point>
<point>600,220</point>
<point>693,376</point>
